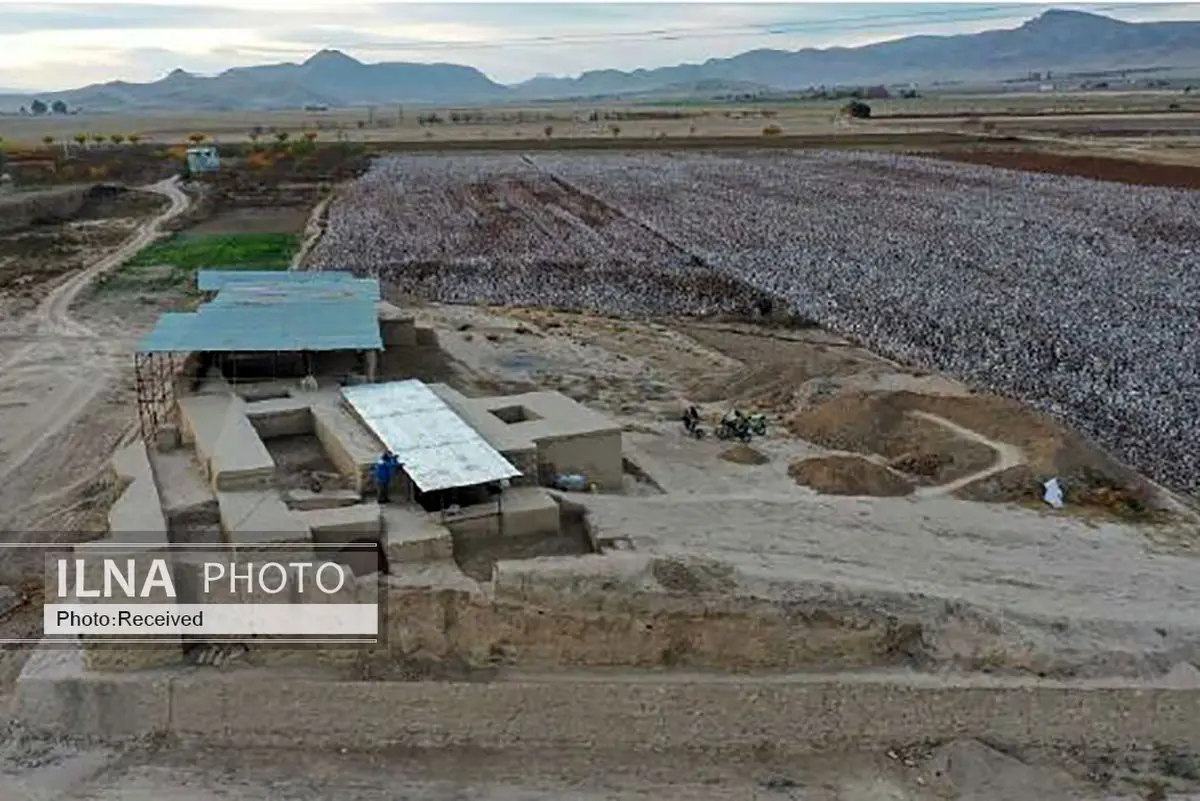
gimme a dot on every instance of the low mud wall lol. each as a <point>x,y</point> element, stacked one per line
<point>644,630</point>
<point>25,209</point>
<point>619,616</point>
<point>252,707</point>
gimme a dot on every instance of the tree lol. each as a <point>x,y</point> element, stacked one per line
<point>58,107</point>
<point>548,131</point>
<point>197,138</point>
<point>311,136</point>
<point>117,139</point>
<point>282,137</point>
<point>98,139</point>
<point>616,131</point>
<point>134,139</point>
<point>80,139</point>
<point>38,107</point>
<point>47,140</point>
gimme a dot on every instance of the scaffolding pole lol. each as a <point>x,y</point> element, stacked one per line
<point>155,375</point>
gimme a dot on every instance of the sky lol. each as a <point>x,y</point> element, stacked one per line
<point>60,45</point>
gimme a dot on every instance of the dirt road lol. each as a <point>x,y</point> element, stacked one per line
<point>64,364</point>
<point>1007,456</point>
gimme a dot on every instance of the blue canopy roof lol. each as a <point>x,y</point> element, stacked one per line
<point>273,311</point>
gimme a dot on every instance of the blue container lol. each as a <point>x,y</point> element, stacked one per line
<point>571,482</point>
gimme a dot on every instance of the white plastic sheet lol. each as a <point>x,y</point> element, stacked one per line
<point>1053,494</point>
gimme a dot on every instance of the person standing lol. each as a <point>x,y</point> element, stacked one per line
<point>385,470</point>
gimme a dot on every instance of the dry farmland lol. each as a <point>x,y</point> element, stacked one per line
<point>1067,293</point>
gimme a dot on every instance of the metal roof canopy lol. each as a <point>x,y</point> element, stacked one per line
<point>256,311</point>
<point>439,449</point>
<point>216,280</point>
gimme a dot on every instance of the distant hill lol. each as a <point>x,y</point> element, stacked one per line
<point>1058,41</point>
<point>707,88</point>
<point>329,78</point>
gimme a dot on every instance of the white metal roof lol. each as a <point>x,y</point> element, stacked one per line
<point>438,448</point>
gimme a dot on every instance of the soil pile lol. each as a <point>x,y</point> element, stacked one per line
<point>744,454</point>
<point>849,475</point>
<point>694,576</point>
<point>970,769</point>
<point>879,424</point>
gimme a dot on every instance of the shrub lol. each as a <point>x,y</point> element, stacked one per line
<point>772,130</point>
<point>857,110</point>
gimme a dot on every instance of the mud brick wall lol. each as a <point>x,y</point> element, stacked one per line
<point>644,631</point>
<point>790,716</point>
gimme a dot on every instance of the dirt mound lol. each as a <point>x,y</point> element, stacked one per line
<point>1184,676</point>
<point>921,463</point>
<point>880,423</point>
<point>744,454</point>
<point>970,769</point>
<point>848,475</point>
<point>693,576</point>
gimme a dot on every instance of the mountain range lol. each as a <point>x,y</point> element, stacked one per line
<point>1057,41</point>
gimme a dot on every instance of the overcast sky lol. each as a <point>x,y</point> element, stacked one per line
<point>67,44</point>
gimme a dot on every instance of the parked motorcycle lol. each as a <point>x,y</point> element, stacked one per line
<point>736,425</point>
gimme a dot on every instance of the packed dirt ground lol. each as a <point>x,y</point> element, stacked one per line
<point>66,398</point>
<point>33,768</point>
<point>963,557</point>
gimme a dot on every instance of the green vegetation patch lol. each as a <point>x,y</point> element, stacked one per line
<point>172,263</point>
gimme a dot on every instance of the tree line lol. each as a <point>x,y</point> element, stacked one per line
<point>39,108</point>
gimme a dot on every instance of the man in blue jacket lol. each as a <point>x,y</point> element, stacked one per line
<point>385,470</point>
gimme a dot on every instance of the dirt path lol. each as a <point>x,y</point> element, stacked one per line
<point>46,384</point>
<point>313,230</point>
<point>1007,456</point>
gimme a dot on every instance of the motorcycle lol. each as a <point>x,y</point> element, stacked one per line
<point>734,428</point>
<point>757,423</point>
